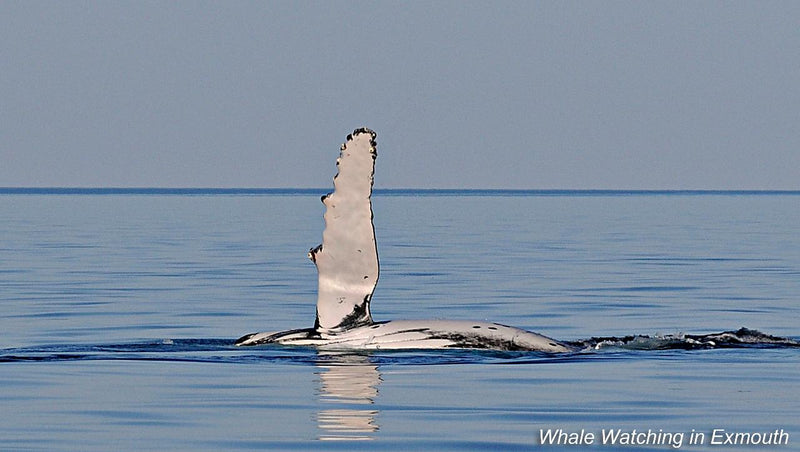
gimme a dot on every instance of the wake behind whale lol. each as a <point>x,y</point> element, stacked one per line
<point>741,338</point>
<point>348,270</point>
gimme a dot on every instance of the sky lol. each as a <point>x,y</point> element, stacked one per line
<point>518,95</point>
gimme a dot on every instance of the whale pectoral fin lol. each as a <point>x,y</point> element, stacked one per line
<point>347,260</point>
<point>253,339</point>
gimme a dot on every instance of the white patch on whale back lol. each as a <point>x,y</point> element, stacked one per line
<point>437,334</point>
<point>418,335</point>
<point>347,260</point>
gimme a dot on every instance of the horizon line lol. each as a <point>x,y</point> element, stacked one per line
<point>111,190</point>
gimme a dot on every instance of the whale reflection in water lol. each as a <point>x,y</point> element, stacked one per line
<point>349,383</point>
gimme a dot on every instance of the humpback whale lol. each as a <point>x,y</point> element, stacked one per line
<point>348,268</point>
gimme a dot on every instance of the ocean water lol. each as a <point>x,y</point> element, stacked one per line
<point>120,308</point>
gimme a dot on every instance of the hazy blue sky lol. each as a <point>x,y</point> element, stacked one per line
<point>591,94</point>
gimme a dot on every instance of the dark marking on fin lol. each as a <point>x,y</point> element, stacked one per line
<point>359,317</point>
<point>244,338</point>
<point>302,333</point>
<point>312,253</point>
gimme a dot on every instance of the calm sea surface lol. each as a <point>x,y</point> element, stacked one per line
<point>119,311</point>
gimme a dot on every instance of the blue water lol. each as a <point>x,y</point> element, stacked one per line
<point>119,309</point>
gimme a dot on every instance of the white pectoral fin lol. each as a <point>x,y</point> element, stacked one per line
<point>347,260</point>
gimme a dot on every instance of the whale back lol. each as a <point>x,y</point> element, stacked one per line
<point>347,259</point>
